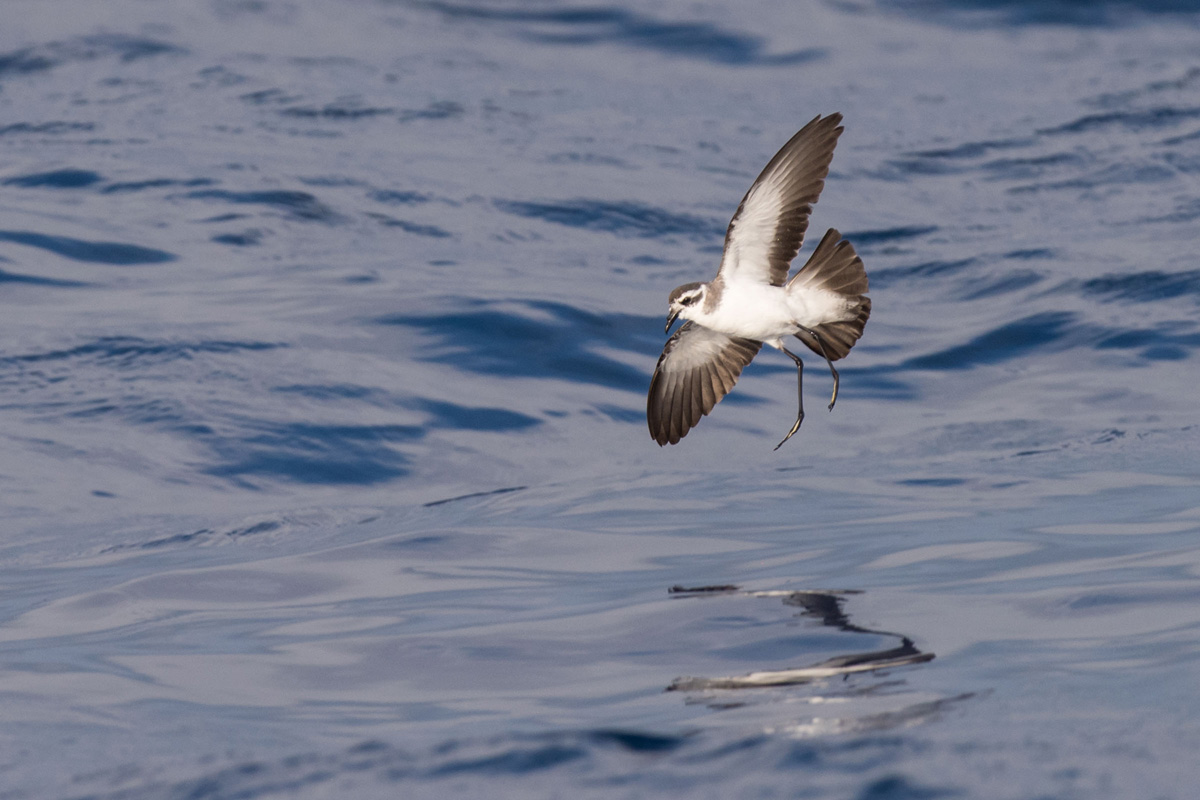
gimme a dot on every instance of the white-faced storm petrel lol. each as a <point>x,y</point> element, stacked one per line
<point>751,302</point>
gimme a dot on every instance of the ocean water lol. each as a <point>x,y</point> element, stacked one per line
<point>325,330</point>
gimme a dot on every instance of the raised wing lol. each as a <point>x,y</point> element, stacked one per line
<point>697,368</point>
<point>766,232</point>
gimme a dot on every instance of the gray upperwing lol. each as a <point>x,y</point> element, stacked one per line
<point>766,232</point>
<point>697,368</point>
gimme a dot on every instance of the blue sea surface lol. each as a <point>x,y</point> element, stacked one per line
<point>325,332</point>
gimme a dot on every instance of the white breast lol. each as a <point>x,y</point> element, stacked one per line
<point>750,310</point>
<point>765,313</point>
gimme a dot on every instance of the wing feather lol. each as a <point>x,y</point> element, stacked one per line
<point>697,368</point>
<point>769,226</point>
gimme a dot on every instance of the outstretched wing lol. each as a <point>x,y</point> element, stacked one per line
<point>697,368</point>
<point>766,232</point>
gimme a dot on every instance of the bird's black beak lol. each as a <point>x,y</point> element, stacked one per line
<point>671,319</point>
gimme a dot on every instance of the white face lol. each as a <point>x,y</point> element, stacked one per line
<point>687,301</point>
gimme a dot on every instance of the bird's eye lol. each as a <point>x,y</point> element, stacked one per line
<point>689,300</point>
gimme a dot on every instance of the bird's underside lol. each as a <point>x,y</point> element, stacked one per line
<point>701,363</point>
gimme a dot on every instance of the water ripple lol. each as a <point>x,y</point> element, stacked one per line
<point>347,109</point>
<point>152,183</point>
<point>546,339</point>
<point>616,25</point>
<point>51,128</point>
<point>621,218</point>
<point>1041,12</point>
<point>882,278</point>
<point>312,453</point>
<point>39,58</point>
<point>37,280</point>
<point>56,179</point>
<point>415,228</point>
<point>89,251</point>
<point>296,204</point>
<point>1148,119</point>
<point>134,352</point>
<point>1006,342</point>
<point>870,238</point>
<point>1144,287</point>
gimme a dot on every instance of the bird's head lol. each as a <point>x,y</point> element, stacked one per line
<point>683,299</point>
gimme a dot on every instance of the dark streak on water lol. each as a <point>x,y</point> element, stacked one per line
<point>39,58</point>
<point>548,339</point>
<point>598,25</point>
<point>88,251</point>
<point>623,219</point>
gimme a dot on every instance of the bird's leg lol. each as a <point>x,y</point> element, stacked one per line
<point>834,372</point>
<point>799,393</point>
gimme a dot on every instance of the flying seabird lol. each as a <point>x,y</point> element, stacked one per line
<point>751,302</point>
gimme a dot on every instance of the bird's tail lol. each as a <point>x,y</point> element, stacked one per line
<point>835,267</point>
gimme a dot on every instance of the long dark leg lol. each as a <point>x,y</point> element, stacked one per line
<point>834,372</point>
<point>799,392</point>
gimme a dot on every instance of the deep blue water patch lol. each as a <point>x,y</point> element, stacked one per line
<point>89,251</point>
<point>1165,335</point>
<point>1029,254</point>
<point>1131,121</point>
<point>246,238</point>
<point>881,278</point>
<point>342,110</point>
<point>401,198</point>
<point>553,341</point>
<point>897,787</point>
<point>1032,167</point>
<point>938,482</point>
<point>1165,352</point>
<point>475,418</point>
<point>623,219</point>
<point>1000,284</point>
<point>1144,287</point>
<point>51,128</point>
<point>1005,343</point>
<point>267,97</point>
<point>38,58</point>
<point>1001,13</point>
<point>56,179</point>
<point>441,109</point>
<point>879,382</point>
<point>972,149</point>
<point>443,414</point>
<point>37,280</point>
<point>600,25</point>
<point>131,351</point>
<point>152,183</point>
<point>336,392</point>
<point>515,761</point>
<point>638,741</point>
<point>871,238</point>
<point>311,453</point>
<point>415,228</point>
<point>298,205</point>
<point>1121,175</point>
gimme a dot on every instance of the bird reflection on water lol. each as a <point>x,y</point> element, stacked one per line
<point>825,606</point>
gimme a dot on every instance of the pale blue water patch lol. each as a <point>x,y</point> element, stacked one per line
<point>325,330</point>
